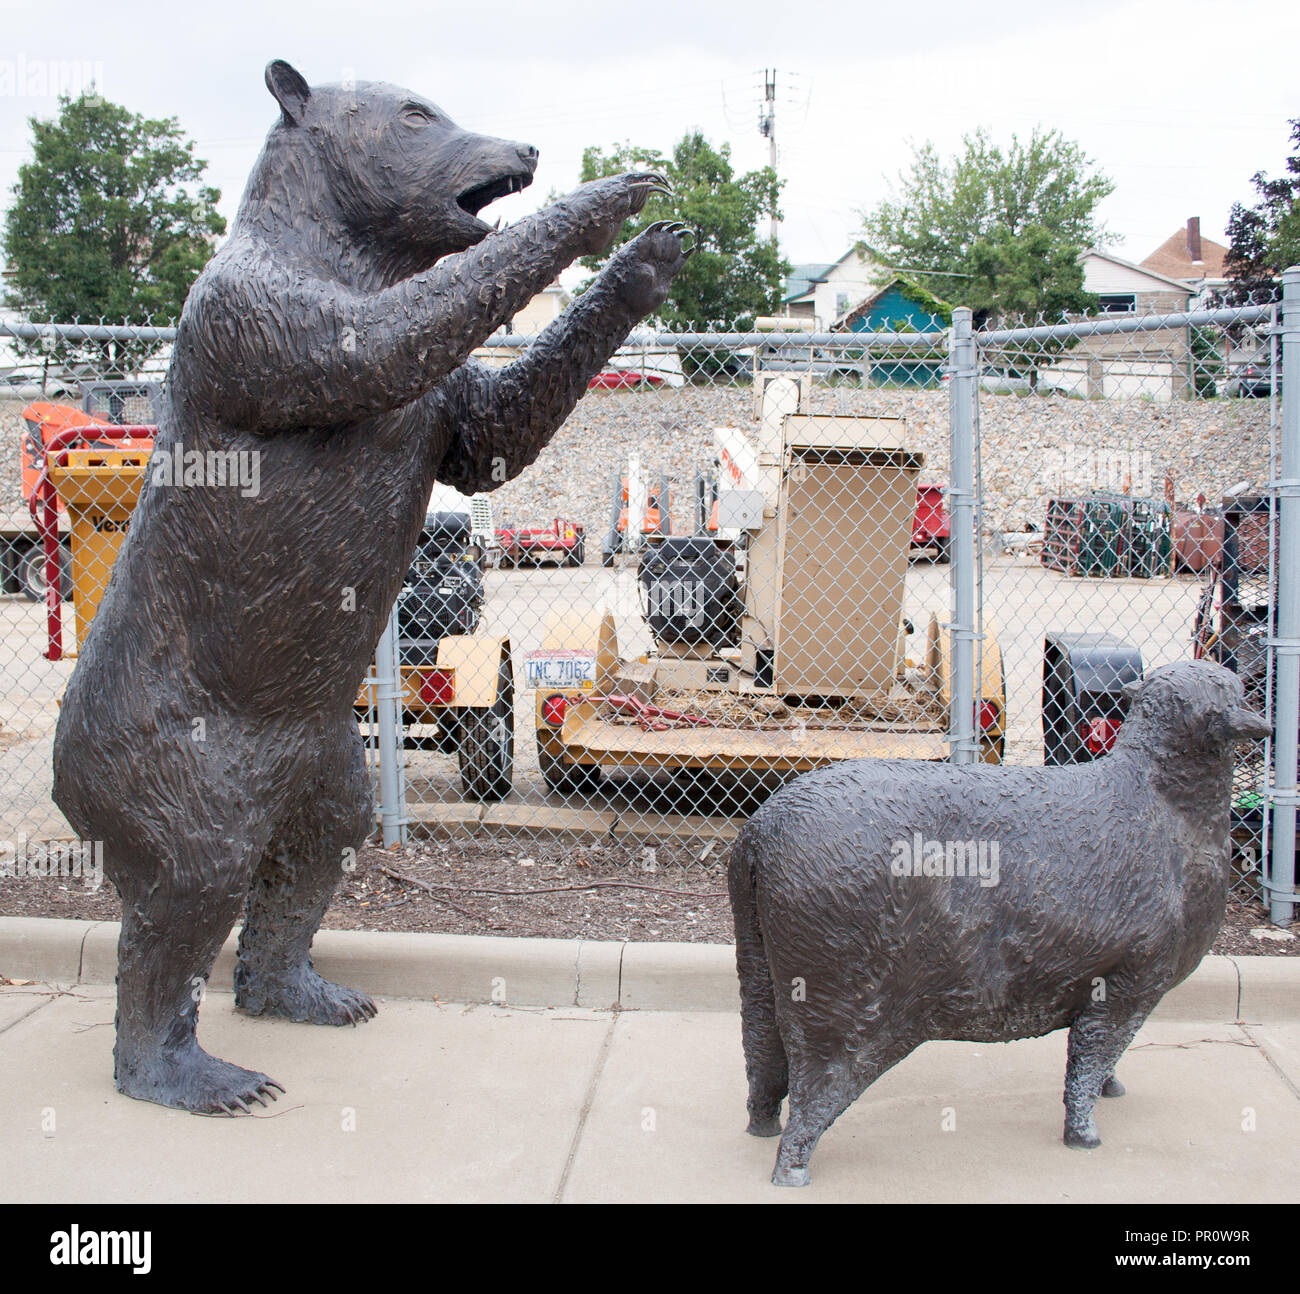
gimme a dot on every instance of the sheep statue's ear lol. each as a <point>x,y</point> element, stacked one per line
<point>290,90</point>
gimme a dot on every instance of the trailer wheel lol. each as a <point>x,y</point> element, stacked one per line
<point>943,550</point>
<point>1061,741</point>
<point>578,555</point>
<point>31,573</point>
<point>1084,677</point>
<point>567,779</point>
<point>487,743</point>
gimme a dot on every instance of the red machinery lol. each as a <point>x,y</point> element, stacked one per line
<point>44,501</point>
<point>930,524</point>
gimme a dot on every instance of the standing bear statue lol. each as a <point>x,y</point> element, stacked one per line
<point>880,904</point>
<point>207,736</point>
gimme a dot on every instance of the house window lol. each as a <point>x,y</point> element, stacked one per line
<point>1118,303</point>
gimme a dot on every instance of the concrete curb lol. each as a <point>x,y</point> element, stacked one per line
<point>575,972</point>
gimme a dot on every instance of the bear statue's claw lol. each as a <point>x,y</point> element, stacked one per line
<point>654,182</point>
<point>681,230</point>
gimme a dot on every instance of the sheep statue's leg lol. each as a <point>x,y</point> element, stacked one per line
<point>820,1092</point>
<point>765,1062</point>
<point>1098,1038</point>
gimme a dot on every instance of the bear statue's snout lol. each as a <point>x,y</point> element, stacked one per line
<point>528,156</point>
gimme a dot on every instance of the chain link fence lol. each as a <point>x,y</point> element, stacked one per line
<point>745,555</point>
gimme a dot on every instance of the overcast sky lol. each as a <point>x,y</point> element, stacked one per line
<point>1178,101</point>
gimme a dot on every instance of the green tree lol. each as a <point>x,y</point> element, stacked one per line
<point>734,273</point>
<point>1263,240</point>
<point>109,221</point>
<point>1000,231</point>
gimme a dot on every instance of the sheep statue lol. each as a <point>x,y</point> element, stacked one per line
<point>882,903</point>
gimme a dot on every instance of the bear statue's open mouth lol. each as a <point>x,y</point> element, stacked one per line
<point>474,200</point>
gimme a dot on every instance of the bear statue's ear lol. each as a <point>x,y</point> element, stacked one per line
<point>290,90</point>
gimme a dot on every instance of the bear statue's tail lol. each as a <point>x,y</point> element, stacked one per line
<point>765,1059</point>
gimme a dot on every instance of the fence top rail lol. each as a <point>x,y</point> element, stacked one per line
<point>936,340</point>
<point>1125,323</point>
<point>508,341</point>
<point>714,340</point>
<point>85,332</point>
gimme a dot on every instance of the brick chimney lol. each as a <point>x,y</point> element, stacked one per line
<point>1194,238</point>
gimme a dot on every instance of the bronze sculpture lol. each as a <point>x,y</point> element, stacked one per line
<point>880,904</point>
<point>207,737</point>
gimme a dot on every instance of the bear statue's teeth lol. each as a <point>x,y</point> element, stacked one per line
<point>474,200</point>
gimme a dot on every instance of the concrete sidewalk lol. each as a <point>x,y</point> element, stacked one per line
<point>439,1101</point>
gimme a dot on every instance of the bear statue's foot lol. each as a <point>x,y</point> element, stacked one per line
<point>304,997</point>
<point>190,1079</point>
<point>769,1127</point>
<point>1113,1087</point>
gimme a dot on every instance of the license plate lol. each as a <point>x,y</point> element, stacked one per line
<point>558,668</point>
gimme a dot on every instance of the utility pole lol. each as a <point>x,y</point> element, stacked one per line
<point>767,128</point>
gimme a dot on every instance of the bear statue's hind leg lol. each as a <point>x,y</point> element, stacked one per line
<point>176,913</point>
<point>292,886</point>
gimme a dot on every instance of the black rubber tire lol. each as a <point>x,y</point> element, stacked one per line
<point>31,573</point>
<point>943,551</point>
<point>567,779</point>
<point>487,743</point>
<point>1061,741</point>
<point>578,555</point>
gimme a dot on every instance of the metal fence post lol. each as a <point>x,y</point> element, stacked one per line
<point>962,380</point>
<point>392,809</point>
<point>1279,880</point>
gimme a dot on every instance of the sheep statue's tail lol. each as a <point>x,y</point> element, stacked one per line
<point>765,1059</point>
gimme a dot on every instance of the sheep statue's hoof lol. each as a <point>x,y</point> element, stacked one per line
<point>1083,1139</point>
<point>1112,1087</point>
<point>765,1127</point>
<point>790,1177</point>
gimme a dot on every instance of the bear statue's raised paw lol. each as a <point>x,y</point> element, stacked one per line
<point>606,203</point>
<point>644,269</point>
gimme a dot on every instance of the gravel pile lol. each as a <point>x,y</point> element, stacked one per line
<point>1033,447</point>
